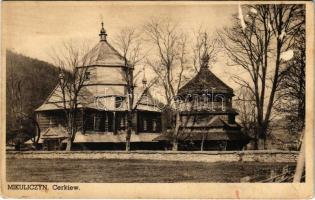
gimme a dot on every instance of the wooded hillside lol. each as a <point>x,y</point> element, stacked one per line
<point>29,82</point>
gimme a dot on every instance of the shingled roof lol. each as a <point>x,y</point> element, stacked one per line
<point>55,132</point>
<point>103,54</point>
<point>143,100</point>
<point>55,100</point>
<point>205,80</point>
<point>216,128</point>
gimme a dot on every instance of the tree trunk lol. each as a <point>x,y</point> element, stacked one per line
<point>128,145</point>
<point>256,143</point>
<point>38,130</point>
<point>129,130</point>
<point>69,144</point>
<point>128,136</point>
<point>300,164</point>
<point>174,144</point>
<point>202,142</point>
<point>175,133</point>
<point>261,142</point>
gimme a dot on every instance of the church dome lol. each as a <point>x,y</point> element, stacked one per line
<point>103,54</point>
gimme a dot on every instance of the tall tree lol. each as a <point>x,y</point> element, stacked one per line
<point>169,64</point>
<point>72,78</point>
<point>129,43</point>
<point>291,97</point>
<point>264,42</point>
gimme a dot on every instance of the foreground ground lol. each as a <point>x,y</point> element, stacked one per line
<point>127,171</point>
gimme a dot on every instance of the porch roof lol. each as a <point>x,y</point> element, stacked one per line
<point>59,106</point>
<point>55,133</point>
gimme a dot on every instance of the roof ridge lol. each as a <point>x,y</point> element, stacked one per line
<point>98,50</point>
<point>218,79</point>
<point>53,91</point>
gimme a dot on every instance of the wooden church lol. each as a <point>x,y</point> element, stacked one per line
<point>103,107</point>
<point>206,113</point>
<point>207,118</point>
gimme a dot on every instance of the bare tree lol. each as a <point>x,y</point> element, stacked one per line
<point>291,96</point>
<point>170,46</point>
<point>128,42</point>
<point>245,104</point>
<point>264,42</point>
<point>72,65</point>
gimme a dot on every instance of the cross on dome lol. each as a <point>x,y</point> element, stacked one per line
<point>103,33</point>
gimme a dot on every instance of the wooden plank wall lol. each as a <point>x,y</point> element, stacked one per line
<point>48,119</point>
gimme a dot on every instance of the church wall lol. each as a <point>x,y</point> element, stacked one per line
<point>48,119</point>
<point>106,90</point>
<point>106,75</point>
<point>150,122</point>
<point>107,82</point>
<point>113,103</point>
<point>102,121</point>
<point>205,105</point>
<point>201,119</point>
<point>113,75</point>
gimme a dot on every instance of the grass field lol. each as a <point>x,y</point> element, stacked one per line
<point>128,171</point>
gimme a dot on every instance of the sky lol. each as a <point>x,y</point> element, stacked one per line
<point>35,28</point>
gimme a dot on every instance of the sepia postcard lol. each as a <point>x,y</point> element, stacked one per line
<point>157,99</point>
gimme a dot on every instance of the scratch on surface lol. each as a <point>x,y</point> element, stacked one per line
<point>237,193</point>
